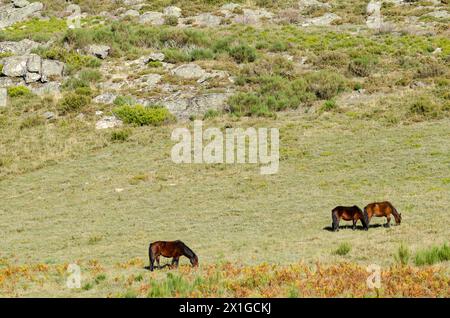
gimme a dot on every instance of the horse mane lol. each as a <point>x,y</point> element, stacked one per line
<point>395,213</point>
<point>188,252</point>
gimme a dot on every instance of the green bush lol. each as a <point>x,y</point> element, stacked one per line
<point>424,106</point>
<point>171,20</point>
<point>274,93</point>
<point>72,102</point>
<point>211,113</point>
<point>329,105</point>
<point>176,55</point>
<point>142,116</point>
<point>325,84</point>
<point>361,66</point>
<point>343,249</point>
<point>90,75</point>
<point>433,255</point>
<point>331,58</point>
<point>120,135</point>
<point>243,53</point>
<point>17,91</point>
<point>74,61</point>
<point>201,54</point>
<point>403,255</point>
<point>31,121</point>
<point>124,100</point>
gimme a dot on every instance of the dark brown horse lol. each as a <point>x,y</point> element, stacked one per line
<point>173,249</point>
<point>348,213</point>
<point>381,209</point>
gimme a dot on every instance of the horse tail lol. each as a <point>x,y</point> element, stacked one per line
<point>151,256</point>
<point>365,219</point>
<point>366,216</point>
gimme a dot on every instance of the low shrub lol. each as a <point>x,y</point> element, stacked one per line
<point>433,255</point>
<point>31,121</point>
<point>171,20</point>
<point>403,255</point>
<point>325,84</point>
<point>329,105</point>
<point>17,91</point>
<point>72,102</point>
<point>424,106</point>
<point>361,66</point>
<point>243,53</point>
<point>343,249</point>
<point>142,116</point>
<point>124,100</point>
<point>120,135</point>
<point>176,55</point>
<point>211,113</point>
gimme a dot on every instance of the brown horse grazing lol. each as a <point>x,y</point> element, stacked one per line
<point>381,209</point>
<point>348,213</point>
<point>173,249</point>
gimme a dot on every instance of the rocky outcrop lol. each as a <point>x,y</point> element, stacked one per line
<point>151,17</point>
<point>3,97</point>
<point>32,68</point>
<point>18,48</point>
<point>189,71</point>
<point>18,11</point>
<point>108,122</point>
<point>305,5</point>
<point>206,20</point>
<point>184,107</point>
<point>97,50</point>
<point>374,20</point>
<point>106,98</point>
<point>250,16</point>
<point>172,11</point>
<point>326,19</point>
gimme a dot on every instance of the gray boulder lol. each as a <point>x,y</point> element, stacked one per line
<point>108,122</point>
<point>251,16</point>
<point>51,70</point>
<point>207,20</point>
<point>3,97</point>
<point>15,66</point>
<point>311,4</point>
<point>20,3</point>
<point>172,11</point>
<point>189,71</point>
<point>324,20</point>
<point>11,14</point>
<point>153,18</point>
<point>32,77</point>
<point>183,108</point>
<point>19,48</point>
<point>34,63</point>
<point>105,98</point>
<point>100,51</point>
<point>50,88</point>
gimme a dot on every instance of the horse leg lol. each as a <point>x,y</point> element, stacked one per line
<point>388,218</point>
<point>157,262</point>
<point>335,224</point>
<point>151,259</point>
<point>354,225</point>
<point>175,261</point>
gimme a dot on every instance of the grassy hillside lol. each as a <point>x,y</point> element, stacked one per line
<point>364,115</point>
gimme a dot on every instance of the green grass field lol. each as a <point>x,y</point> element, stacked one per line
<point>72,211</point>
